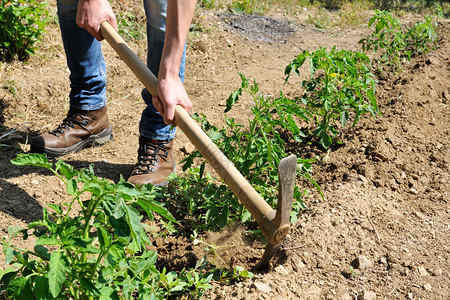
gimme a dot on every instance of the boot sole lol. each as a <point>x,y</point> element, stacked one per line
<point>92,141</point>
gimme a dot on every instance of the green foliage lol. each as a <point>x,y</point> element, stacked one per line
<point>347,15</point>
<point>248,7</point>
<point>341,87</point>
<point>130,27</point>
<point>330,4</point>
<point>97,253</point>
<point>422,36</point>
<point>255,151</point>
<point>22,23</point>
<point>387,37</point>
<point>208,4</point>
<point>395,44</point>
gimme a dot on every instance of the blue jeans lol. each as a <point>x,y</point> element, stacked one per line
<point>87,65</point>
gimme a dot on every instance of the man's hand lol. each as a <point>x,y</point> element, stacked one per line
<point>91,13</point>
<point>170,88</point>
<point>171,93</point>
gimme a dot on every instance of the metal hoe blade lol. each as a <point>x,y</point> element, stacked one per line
<point>280,224</point>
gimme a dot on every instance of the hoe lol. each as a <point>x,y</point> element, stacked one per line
<point>274,224</point>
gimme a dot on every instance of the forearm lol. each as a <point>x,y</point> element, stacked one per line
<point>179,17</point>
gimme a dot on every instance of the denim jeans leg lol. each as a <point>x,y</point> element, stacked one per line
<point>152,123</point>
<point>84,59</point>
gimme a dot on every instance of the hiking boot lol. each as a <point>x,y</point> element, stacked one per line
<point>155,162</point>
<point>80,129</point>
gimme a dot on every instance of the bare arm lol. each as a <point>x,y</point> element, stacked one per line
<point>91,13</point>
<point>170,88</point>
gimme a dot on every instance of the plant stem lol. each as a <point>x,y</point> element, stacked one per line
<point>87,226</point>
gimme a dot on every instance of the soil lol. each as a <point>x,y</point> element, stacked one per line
<point>382,231</point>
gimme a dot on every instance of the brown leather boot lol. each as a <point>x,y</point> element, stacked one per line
<point>155,162</point>
<point>80,129</point>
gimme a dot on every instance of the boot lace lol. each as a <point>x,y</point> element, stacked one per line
<point>149,154</point>
<point>70,122</point>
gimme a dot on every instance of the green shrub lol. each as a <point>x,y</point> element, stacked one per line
<point>22,23</point>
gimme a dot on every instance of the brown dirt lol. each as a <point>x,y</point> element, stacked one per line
<point>386,188</point>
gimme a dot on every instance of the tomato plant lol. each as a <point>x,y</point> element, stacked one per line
<point>341,87</point>
<point>397,44</point>
<point>99,252</point>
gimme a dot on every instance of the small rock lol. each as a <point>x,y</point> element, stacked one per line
<point>394,266</point>
<point>369,295</point>
<point>410,296</point>
<point>427,287</point>
<point>413,191</point>
<point>281,270</point>
<point>313,290</point>
<point>422,271</point>
<point>436,272</point>
<point>345,296</point>
<point>297,264</point>
<point>262,287</point>
<point>362,263</point>
<point>34,182</point>
<point>383,260</point>
<point>187,149</point>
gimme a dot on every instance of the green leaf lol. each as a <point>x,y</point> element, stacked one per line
<point>55,207</point>
<point>41,288</point>
<point>66,170</point>
<point>8,274</point>
<point>48,240</point>
<point>133,219</point>
<point>20,288</point>
<point>32,159</point>
<point>244,81</point>
<point>128,189</point>
<point>150,206</point>
<point>72,187</point>
<point>115,254</point>
<point>89,286</point>
<point>232,99</point>
<point>214,135</point>
<point>104,237</point>
<point>57,273</point>
<point>42,252</point>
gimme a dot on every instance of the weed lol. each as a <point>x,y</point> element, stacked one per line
<point>341,87</point>
<point>22,22</point>
<point>248,7</point>
<point>347,14</point>
<point>131,28</point>
<point>207,4</point>
<point>11,87</point>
